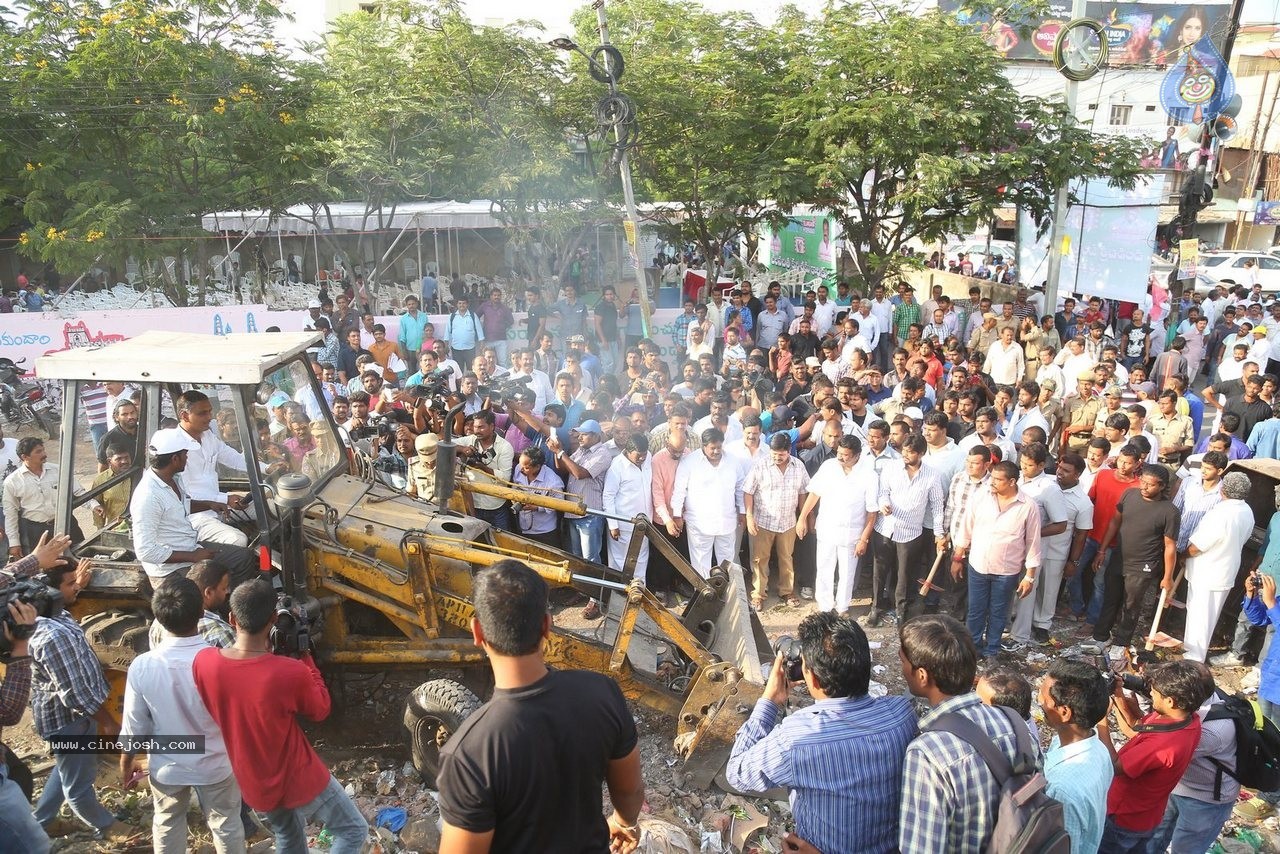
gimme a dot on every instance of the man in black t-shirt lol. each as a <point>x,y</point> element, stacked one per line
<point>607,312</point>
<point>124,435</point>
<point>523,773</point>
<point>1146,523</point>
<point>1250,407</point>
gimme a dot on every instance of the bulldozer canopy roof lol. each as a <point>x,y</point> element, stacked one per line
<point>179,357</point>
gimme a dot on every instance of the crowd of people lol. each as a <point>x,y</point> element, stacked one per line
<point>996,475</point>
<point>1041,473</point>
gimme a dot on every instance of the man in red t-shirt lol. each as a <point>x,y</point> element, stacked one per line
<point>1108,485</point>
<point>1159,749</point>
<point>255,698</point>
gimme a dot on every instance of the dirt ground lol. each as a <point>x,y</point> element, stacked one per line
<point>365,744</point>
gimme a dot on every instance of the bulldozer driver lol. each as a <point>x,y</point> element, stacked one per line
<point>422,468</point>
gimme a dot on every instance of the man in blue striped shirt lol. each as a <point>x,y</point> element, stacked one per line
<point>842,757</point>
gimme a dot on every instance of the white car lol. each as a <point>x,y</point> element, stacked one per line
<point>1227,268</point>
<point>976,248</point>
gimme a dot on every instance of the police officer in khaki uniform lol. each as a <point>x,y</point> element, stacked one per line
<point>1175,432</point>
<point>422,468</point>
<point>1081,410</point>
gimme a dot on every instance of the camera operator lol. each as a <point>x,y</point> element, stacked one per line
<point>487,452</point>
<point>67,702</point>
<point>19,830</point>
<point>842,757</point>
<point>255,697</point>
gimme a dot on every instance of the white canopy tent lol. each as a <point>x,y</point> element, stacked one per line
<point>355,216</point>
<point>449,217</point>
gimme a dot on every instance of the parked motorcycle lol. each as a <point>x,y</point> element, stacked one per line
<point>23,402</point>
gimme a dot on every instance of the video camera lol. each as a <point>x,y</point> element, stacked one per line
<point>45,599</point>
<point>499,390</point>
<point>291,634</point>
<point>790,650</point>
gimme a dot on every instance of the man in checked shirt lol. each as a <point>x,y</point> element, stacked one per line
<point>67,702</point>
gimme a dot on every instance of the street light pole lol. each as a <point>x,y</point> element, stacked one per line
<point>628,193</point>
<point>1061,199</point>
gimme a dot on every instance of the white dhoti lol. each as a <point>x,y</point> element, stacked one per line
<point>211,529</point>
<point>618,550</point>
<point>834,556</point>
<point>701,546</point>
<point>1203,609</point>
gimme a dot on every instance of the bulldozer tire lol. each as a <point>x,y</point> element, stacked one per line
<point>433,713</point>
<point>117,637</point>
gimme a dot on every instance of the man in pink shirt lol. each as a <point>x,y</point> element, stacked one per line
<point>662,467</point>
<point>1001,534</point>
<point>496,320</point>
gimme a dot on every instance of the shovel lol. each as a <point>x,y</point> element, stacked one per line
<point>1158,638</point>
<point>927,584</point>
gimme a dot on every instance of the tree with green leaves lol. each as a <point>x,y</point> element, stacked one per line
<point>418,103</point>
<point>137,117</point>
<point>908,126</point>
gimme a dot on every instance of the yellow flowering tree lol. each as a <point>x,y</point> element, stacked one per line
<point>137,117</point>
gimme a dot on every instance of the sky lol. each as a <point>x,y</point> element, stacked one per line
<point>309,15</point>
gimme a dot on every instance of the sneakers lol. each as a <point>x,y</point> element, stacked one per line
<point>806,593</point>
<point>1039,635</point>
<point>891,618</point>
<point>1093,647</point>
<point>1254,809</point>
<point>1251,681</point>
<point>1014,647</point>
<point>874,619</point>
<point>1227,659</point>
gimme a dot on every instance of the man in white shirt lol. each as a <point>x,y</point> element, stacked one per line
<point>161,697</point>
<point>1005,361</point>
<point>868,326</point>
<point>824,312</point>
<point>1043,488</point>
<point>1074,359</point>
<point>628,491</point>
<point>707,500</point>
<point>31,498</point>
<point>539,384</point>
<point>164,538</point>
<point>846,517</point>
<point>1027,413</point>
<point>200,476</point>
<point>1213,561</point>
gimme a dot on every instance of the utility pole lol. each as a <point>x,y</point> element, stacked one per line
<point>624,170</point>
<point>1062,199</point>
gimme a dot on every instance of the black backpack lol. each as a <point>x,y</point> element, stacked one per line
<point>1028,821</point>
<point>1257,745</point>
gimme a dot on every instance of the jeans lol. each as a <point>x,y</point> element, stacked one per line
<point>989,597</point>
<point>71,780</point>
<point>19,830</point>
<point>586,536</point>
<point>1099,578</point>
<point>333,809</point>
<point>1191,826</point>
<point>499,518</point>
<point>1117,840</point>
<point>98,432</point>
